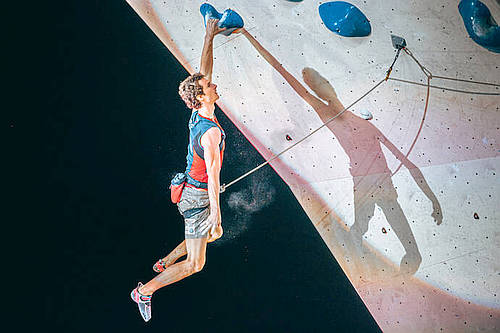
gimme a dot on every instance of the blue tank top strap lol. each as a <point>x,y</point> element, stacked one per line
<point>198,126</point>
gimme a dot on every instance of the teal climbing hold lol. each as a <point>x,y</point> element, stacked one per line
<point>344,19</point>
<point>365,114</point>
<point>229,19</point>
<point>480,25</point>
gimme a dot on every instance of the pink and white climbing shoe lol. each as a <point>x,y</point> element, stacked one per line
<point>143,301</point>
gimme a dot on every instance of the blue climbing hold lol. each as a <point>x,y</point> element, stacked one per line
<point>209,12</point>
<point>365,114</point>
<point>480,25</point>
<point>229,19</point>
<point>344,19</point>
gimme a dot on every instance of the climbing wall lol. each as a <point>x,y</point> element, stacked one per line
<point>407,202</point>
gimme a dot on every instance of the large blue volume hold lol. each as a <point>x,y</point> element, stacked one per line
<point>344,19</point>
<point>229,19</point>
<point>480,25</point>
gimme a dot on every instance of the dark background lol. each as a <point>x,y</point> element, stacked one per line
<point>95,130</point>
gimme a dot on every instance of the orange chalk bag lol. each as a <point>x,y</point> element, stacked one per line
<point>176,186</point>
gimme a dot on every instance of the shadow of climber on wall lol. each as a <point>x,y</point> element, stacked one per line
<point>372,178</point>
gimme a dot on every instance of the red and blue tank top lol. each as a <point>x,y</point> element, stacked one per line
<point>196,170</point>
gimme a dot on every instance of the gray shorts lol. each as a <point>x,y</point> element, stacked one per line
<point>195,208</point>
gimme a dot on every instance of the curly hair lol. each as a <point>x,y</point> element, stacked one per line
<point>189,89</point>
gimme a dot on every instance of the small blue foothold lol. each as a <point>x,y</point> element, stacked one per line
<point>229,19</point>
<point>344,19</point>
<point>480,25</point>
<point>365,114</point>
